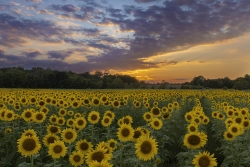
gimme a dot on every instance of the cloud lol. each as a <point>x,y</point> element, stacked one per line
<point>32,54</point>
<point>145,1</point>
<point>61,55</point>
<point>65,8</point>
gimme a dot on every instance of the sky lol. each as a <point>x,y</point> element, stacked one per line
<point>152,40</point>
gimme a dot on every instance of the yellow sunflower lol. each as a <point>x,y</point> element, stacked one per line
<point>98,155</point>
<point>137,133</point>
<point>110,114</point>
<point>7,130</point>
<point>125,132</point>
<point>68,135</point>
<point>53,119</point>
<point>60,121</point>
<point>228,136</point>
<point>147,116</point>
<point>57,149</point>
<point>192,128</point>
<point>93,117</point>
<point>156,123</point>
<point>95,101</point>
<point>28,145</point>
<point>53,129</point>
<point>112,143</point>
<point>76,158</point>
<point>27,115</point>
<point>84,146</point>
<point>49,138</point>
<point>9,115</point>
<point>204,160</point>
<point>146,148</point>
<point>103,163</point>
<point>62,112</point>
<point>70,122</point>
<point>106,121</point>
<point>80,123</point>
<point>156,111</point>
<point>29,132</point>
<point>39,117</point>
<point>127,120</point>
<point>188,117</point>
<point>195,140</point>
<point>236,129</point>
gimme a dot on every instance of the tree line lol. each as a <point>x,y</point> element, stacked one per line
<point>240,83</point>
<point>37,77</point>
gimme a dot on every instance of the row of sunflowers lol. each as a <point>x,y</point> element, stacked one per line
<point>105,128</point>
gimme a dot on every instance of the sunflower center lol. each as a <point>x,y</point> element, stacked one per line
<point>126,121</point>
<point>29,144</point>
<point>148,116</point>
<point>146,147</point>
<point>9,115</point>
<point>110,115</point>
<point>125,132</point>
<point>96,101</point>
<point>204,161</point>
<point>98,156</point>
<point>53,119</point>
<point>156,111</point>
<point>234,129</point>
<point>62,112</point>
<point>84,146</point>
<point>192,129</point>
<point>246,124</point>
<point>93,117</point>
<point>69,135</point>
<point>60,121</point>
<point>194,140</point>
<point>75,104</point>
<point>27,114</point>
<point>238,120</point>
<point>112,144</point>
<point>57,149</point>
<point>189,117</point>
<point>156,123</point>
<point>51,140</point>
<point>39,116</point>
<point>80,122</point>
<point>77,158</point>
<point>137,134</point>
<point>106,120</point>
<point>229,135</point>
<point>54,129</point>
<point>197,120</point>
<point>116,103</point>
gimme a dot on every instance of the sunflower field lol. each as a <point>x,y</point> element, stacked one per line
<point>122,128</point>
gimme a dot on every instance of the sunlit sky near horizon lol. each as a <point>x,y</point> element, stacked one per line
<point>152,40</point>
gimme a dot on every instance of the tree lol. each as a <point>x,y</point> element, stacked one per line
<point>241,85</point>
<point>200,80</point>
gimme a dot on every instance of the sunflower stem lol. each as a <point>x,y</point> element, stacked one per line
<point>92,133</point>
<point>54,162</point>
<point>121,156</point>
<point>32,161</point>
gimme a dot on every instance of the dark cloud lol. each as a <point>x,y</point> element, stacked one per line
<point>61,55</point>
<point>32,55</point>
<point>145,1</point>
<point>66,8</point>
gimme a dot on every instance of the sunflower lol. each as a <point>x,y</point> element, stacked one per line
<point>62,112</point>
<point>29,132</point>
<point>70,113</point>
<point>103,163</point>
<point>246,124</point>
<point>192,128</point>
<point>146,148</point>
<point>189,117</point>
<point>60,121</point>
<point>53,119</point>
<point>49,138</point>
<point>7,130</point>
<point>9,115</point>
<point>205,120</point>
<point>75,104</point>
<point>80,122</point>
<point>77,115</point>
<point>57,149</point>
<point>112,144</point>
<point>104,99</point>
<point>98,155</point>
<point>204,160</point>
<point>44,109</point>
<point>228,136</point>
<point>147,116</point>
<point>125,132</point>
<point>236,129</point>
<point>76,158</point>
<point>106,121</point>
<point>137,134</point>
<point>39,117</point>
<point>84,146</point>
<point>105,146</point>
<point>195,140</point>
<point>28,114</point>
<point>110,114</point>
<point>166,116</point>
<point>93,117</point>
<point>127,120</point>
<point>68,135</point>
<point>116,104</point>
<point>95,101</point>
<point>156,123</point>
<point>220,116</point>
<point>70,122</point>
<point>28,145</point>
<point>156,111</point>
<point>53,129</point>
